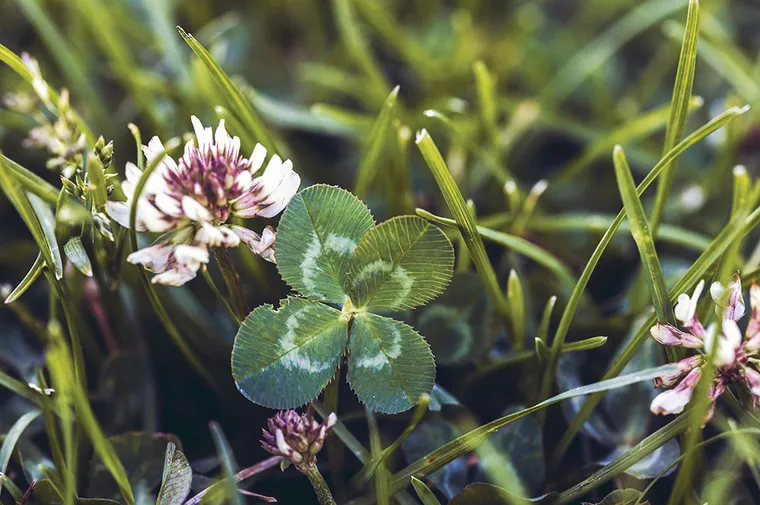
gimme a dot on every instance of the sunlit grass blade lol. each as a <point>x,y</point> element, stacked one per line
<point>469,441</point>
<point>517,244</point>
<point>19,388</point>
<point>542,350</point>
<point>376,141</point>
<point>32,275</point>
<point>679,107</point>
<point>486,88</point>
<point>32,182</point>
<point>575,298</point>
<point>235,100</point>
<point>626,460</point>
<point>516,301</point>
<point>633,130</point>
<point>97,15</point>
<point>59,363</point>
<point>589,59</point>
<point>464,221</point>
<point>642,235</point>
<point>424,493</point>
<point>735,229</point>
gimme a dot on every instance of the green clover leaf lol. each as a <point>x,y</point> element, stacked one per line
<point>329,250</point>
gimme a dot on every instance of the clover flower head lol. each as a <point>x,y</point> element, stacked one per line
<point>733,354</point>
<point>297,438</point>
<point>192,199</point>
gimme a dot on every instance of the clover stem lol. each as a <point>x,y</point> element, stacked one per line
<point>232,280</point>
<point>324,495</point>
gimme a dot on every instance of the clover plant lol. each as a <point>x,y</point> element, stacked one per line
<point>346,271</point>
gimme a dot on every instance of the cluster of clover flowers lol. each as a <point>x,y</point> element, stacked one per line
<point>734,356</point>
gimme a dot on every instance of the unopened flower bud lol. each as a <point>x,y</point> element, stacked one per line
<point>297,438</point>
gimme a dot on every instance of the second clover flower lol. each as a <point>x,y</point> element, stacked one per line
<point>191,200</point>
<point>734,355</point>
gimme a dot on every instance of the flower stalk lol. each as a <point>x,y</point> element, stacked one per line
<point>324,495</point>
<point>232,281</point>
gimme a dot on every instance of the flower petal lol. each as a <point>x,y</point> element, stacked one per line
<point>753,327</point>
<point>257,157</point>
<point>667,334</point>
<point>675,400</point>
<point>194,210</point>
<point>119,212</point>
<point>729,301</point>
<point>263,244</point>
<point>753,381</point>
<point>686,310</point>
<point>684,366</point>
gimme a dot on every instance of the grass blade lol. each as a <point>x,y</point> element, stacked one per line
<point>575,298</point>
<point>516,301</point>
<point>642,235</point>
<point>425,494</point>
<point>589,59</point>
<point>37,268</point>
<point>464,221</point>
<point>32,182</point>
<point>47,224</point>
<point>625,461</point>
<point>735,229</point>
<point>229,467</point>
<point>469,441</point>
<point>378,137</point>
<point>520,245</point>
<point>235,99</point>
<point>679,107</point>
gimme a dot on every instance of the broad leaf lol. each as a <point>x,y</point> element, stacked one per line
<point>389,364</point>
<point>283,358</point>
<point>522,442</point>
<point>175,483</point>
<point>316,237</point>
<point>400,264</point>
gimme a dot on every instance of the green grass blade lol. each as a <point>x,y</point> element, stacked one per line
<point>358,49</point>
<point>13,436</point>
<point>464,221</point>
<point>516,301</point>
<point>633,130</point>
<point>235,99</point>
<point>517,244</point>
<point>575,298</point>
<point>599,223</point>
<point>469,441</point>
<point>679,107</point>
<point>46,220</point>
<point>229,466</point>
<point>486,88</point>
<point>589,59</point>
<point>735,229</point>
<point>626,460</point>
<point>34,272</point>
<point>642,235</point>
<point>378,137</point>
<point>425,494</point>
<point>19,388</point>
<point>382,475</point>
<point>32,182</point>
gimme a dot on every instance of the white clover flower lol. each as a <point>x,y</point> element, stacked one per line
<point>191,200</point>
<point>733,353</point>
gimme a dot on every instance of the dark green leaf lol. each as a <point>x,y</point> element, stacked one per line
<point>284,358</point>
<point>389,364</point>
<point>400,264</point>
<point>317,235</point>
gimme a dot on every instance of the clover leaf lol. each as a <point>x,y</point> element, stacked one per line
<point>330,251</point>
